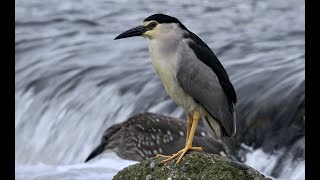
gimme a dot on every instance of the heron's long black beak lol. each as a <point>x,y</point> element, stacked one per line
<point>137,31</point>
<point>98,150</point>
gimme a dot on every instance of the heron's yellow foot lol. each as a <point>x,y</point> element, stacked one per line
<point>182,152</point>
<point>161,155</point>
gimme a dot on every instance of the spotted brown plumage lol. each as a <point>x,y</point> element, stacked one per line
<point>147,134</point>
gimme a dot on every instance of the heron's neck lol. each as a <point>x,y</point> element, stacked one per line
<point>162,49</point>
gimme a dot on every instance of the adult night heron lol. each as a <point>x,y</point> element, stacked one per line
<point>191,74</point>
<point>147,134</point>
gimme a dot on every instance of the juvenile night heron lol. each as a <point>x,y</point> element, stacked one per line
<point>191,74</point>
<point>147,134</point>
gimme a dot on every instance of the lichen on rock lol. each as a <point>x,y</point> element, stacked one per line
<point>194,165</point>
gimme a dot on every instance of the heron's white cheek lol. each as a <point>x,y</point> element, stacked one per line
<point>149,34</point>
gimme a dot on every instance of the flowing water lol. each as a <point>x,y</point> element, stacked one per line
<point>73,80</point>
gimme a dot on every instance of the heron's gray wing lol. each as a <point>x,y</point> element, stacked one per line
<point>200,81</point>
<point>206,55</point>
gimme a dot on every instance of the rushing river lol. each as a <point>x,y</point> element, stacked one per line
<point>73,80</point>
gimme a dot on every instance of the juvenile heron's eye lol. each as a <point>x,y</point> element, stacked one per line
<point>153,25</point>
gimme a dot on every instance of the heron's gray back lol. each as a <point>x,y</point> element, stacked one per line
<point>200,81</point>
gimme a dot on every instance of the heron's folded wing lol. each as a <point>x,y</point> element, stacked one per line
<point>200,81</point>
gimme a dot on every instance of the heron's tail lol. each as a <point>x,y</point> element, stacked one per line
<point>214,128</point>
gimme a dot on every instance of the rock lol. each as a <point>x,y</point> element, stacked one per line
<point>152,165</point>
<point>149,177</point>
<point>195,165</point>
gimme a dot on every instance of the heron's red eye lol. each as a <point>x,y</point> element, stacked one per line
<point>153,25</point>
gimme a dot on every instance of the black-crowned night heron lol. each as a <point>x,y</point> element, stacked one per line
<point>191,74</point>
<point>145,135</point>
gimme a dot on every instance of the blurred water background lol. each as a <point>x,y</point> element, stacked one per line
<point>73,80</point>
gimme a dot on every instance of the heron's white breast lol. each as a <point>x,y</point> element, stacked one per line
<point>165,61</point>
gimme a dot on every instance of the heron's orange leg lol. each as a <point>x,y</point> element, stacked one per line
<point>195,120</point>
<point>189,124</point>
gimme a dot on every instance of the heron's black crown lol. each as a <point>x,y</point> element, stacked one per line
<point>162,18</point>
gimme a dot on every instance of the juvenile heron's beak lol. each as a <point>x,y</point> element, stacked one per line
<point>98,150</point>
<point>137,31</point>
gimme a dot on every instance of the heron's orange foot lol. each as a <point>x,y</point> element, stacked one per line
<point>182,152</point>
<point>161,155</point>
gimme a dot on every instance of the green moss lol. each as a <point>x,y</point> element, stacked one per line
<point>194,165</point>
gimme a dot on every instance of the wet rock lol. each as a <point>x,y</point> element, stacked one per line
<point>195,165</point>
<point>184,167</point>
<point>152,165</point>
<point>149,177</point>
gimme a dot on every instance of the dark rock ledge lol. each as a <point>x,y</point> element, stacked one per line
<point>195,165</point>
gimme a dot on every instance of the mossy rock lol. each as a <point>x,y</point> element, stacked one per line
<point>194,165</point>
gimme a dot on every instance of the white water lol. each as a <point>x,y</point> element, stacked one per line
<point>103,168</point>
<point>264,163</point>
